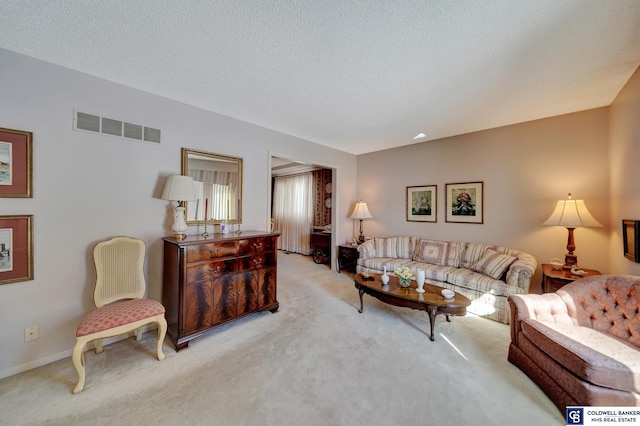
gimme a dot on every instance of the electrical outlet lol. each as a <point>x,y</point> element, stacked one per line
<point>31,333</point>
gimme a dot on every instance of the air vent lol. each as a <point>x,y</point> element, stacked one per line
<point>111,127</point>
<point>151,135</point>
<point>87,122</point>
<point>94,123</point>
<point>132,131</point>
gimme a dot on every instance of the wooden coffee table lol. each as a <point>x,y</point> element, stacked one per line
<point>430,301</point>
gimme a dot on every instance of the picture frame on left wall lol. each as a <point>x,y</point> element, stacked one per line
<point>421,204</point>
<point>16,248</point>
<point>16,164</point>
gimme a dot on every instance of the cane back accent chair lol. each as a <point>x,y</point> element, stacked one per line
<point>118,296</point>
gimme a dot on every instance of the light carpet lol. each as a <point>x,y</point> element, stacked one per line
<point>317,361</point>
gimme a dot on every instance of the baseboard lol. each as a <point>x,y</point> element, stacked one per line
<point>34,364</point>
<point>67,354</point>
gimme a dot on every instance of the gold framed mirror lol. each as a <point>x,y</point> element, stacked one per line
<point>218,186</point>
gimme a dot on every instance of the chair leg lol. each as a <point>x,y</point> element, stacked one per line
<point>138,334</point>
<point>77,354</point>
<point>162,331</point>
<point>77,357</point>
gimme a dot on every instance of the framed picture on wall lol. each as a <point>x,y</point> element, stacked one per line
<point>422,203</point>
<point>631,239</point>
<point>464,202</point>
<point>15,164</point>
<point>16,248</point>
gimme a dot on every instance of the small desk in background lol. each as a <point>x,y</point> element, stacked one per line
<point>321,243</point>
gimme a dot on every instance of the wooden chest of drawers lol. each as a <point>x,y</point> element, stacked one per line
<point>209,282</point>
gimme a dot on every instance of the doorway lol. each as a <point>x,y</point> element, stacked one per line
<point>301,205</point>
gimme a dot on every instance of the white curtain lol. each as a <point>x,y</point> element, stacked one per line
<point>216,192</point>
<point>293,212</point>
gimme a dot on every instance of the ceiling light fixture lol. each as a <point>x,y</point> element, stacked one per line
<point>419,136</point>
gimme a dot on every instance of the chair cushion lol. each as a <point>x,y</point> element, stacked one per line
<point>432,272</point>
<point>466,278</point>
<point>118,314</point>
<point>592,355</point>
<point>378,263</point>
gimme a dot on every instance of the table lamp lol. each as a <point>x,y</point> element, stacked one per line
<point>361,212</point>
<point>571,214</point>
<point>179,188</point>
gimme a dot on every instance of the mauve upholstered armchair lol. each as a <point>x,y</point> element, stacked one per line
<point>581,344</point>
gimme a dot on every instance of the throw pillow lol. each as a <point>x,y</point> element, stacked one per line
<point>493,264</point>
<point>430,251</point>
<point>471,253</point>
<point>367,250</point>
<point>455,252</point>
<point>405,247</point>
<point>386,247</point>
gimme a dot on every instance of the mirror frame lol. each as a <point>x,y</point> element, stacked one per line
<point>185,152</point>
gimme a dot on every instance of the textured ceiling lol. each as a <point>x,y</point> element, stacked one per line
<point>356,75</point>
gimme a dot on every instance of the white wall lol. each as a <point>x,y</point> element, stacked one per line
<point>525,168</point>
<point>89,187</point>
<point>625,176</point>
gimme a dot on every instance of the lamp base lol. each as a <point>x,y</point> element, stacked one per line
<point>360,239</point>
<point>179,227</point>
<point>570,260</point>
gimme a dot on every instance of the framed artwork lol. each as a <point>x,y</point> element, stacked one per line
<point>465,202</point>
<point>16,248</point>
<point>631,239</point>
<point>15,164</point>
<point>422,203</point>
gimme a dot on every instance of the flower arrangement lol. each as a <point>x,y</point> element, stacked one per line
<point>404,274</point>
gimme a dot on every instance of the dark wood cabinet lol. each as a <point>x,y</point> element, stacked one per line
<point>209,282</point>
<point>347,257</point>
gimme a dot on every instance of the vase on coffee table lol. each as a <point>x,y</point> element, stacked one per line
<point>420,277</point>
<point>404,282</point>
<point>385,277</point>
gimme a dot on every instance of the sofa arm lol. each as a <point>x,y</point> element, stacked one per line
<point>521,271</point>
<point>547,307</point>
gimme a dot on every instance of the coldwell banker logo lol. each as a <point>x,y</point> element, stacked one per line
<point>574,416</point>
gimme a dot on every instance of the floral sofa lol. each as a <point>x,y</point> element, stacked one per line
<point>485,273</point>
<point>581,344</point>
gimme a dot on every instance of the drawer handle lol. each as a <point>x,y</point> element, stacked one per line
<point>257,245</point>
<point>257,261</point>
<point>216,269</point>
<point>214,251</point>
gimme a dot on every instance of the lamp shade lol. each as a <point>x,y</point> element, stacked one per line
<point>179,188</point>
<point>361,211</point>
<point>571,213</point>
